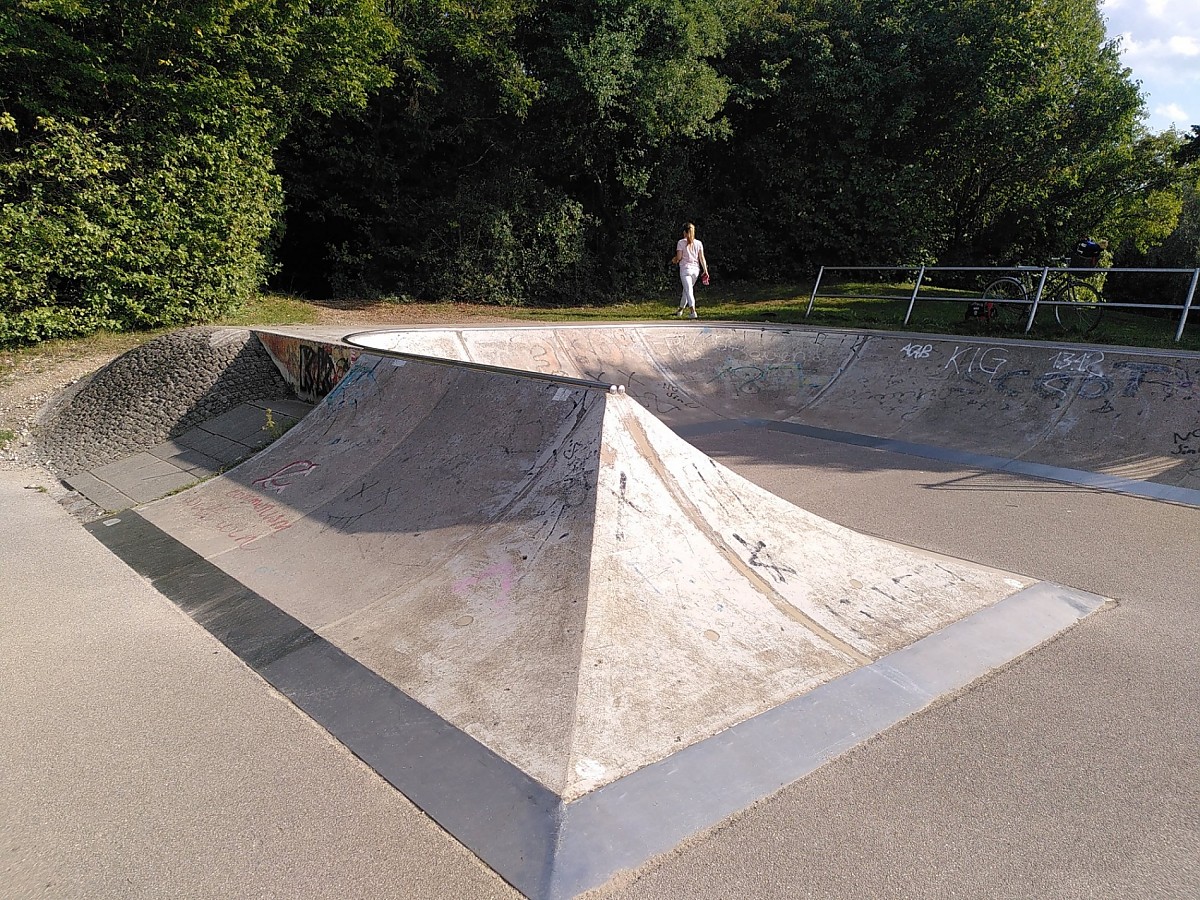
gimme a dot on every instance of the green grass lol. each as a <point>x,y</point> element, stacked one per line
<point>272,309</point>
<point>269,309</point>
<point>103,342</point>
<point>7,436</point>
<point>841,305</point>
<point>732,302</point>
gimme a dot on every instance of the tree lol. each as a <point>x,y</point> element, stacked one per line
<point>520,151</point>
<point>1189,151</point>
<point>410,194</point>
<point>1174,240</point>
<point>515,157</point>
<point>929,130</point>
<point>136,180</point>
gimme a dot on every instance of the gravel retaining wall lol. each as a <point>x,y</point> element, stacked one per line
<point>154,393</point>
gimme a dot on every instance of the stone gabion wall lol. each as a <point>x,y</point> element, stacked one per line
<point>154,393</point>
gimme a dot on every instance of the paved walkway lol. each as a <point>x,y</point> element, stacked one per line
<point>141,759</point>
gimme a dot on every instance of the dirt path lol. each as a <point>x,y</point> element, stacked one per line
<point>27,385</point>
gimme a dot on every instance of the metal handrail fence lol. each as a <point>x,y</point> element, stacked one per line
<point>1040,273</point>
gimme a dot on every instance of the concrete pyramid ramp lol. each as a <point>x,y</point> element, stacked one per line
<point>712,600</point>
<point>550,571</point>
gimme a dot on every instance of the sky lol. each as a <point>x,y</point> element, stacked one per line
<point>1160,42</point>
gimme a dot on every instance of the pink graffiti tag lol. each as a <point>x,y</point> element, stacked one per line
<point>275,482</point>
<point>502,571</point>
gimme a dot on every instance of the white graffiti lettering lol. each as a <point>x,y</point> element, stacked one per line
<point>1087,362</point>
<point>989,360</point>
<point>953,361</point>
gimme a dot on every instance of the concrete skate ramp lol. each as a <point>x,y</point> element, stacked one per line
<point>552,570</point>
<point>565,633</point>
<point>1131,418</point>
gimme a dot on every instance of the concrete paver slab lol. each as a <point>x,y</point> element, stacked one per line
<point>214,446</point>
<point>292,409</point>
<point>188,459</point>
<point>246,424</point>
<point>144,476</point>
<point>103,494</point>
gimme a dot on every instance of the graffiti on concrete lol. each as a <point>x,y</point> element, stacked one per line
<point>320,370</point>
<point>344,392</point>
<point>368,498</point>
<point>1088,361</point>
<point>760,559</point>
<point>659,397</point>
<point>226,514</point>
<point>988,360</point>
<point>767,377</point>
<point>543,359</point>
<point>501,573</point>
<point>1086,375</point>
<point>313,369</point>
<point>1008,380</point>
<point>277,482</point>
<point>1187,444</point>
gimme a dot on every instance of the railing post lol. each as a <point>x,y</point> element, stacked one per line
<point>813,298</point>
<point>913,300</point>
<point>1187,304</point>
<point>1037,297</point>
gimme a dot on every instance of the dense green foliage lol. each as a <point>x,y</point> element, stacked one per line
<point>519,153</point>
<point>555,157</point>
<point>955,131</point>
<point>159,158</point>
<point>1176,247</point>
<point>137,184</point>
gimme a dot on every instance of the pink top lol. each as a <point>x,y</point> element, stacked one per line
<point>689,256</point>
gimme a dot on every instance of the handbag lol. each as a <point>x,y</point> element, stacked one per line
<point>704,278</point>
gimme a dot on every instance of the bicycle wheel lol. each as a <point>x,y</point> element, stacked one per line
<point>1008,303</point>
<point>1083,309</point>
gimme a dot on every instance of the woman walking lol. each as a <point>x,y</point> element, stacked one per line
<point>689,254</point>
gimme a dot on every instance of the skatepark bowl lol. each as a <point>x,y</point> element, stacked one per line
<point>491,564</point>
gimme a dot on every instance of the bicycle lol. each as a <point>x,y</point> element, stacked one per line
<point>1077,304</point>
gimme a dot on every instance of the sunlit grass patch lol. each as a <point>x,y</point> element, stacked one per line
<point>272,309</point>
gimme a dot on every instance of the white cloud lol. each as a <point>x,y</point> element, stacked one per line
<point>1174,112</point>
<point>1160,42</point>
<point>1184,45</point>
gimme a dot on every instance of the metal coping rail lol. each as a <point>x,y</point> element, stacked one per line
<point>568,380</point>
<point>1035,302</point>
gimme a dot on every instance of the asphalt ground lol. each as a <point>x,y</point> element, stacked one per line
<point>142,760</point>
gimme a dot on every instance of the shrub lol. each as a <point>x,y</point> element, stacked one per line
<point>95,237</point>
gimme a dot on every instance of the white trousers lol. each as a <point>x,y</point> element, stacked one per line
<point>688,275</point>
